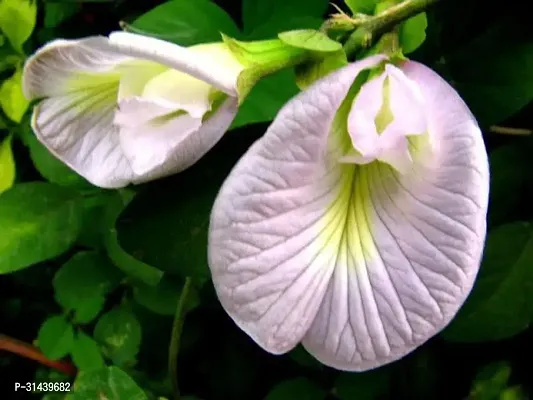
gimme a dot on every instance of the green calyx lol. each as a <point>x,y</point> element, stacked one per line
<point>262,58</point>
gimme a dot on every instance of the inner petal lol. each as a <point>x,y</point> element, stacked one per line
<point>134,75</point>
<point>385,112</point>
<point>361,118</point>
<point>406,102</point>
<point>150,131</point>
<point>181,91</point>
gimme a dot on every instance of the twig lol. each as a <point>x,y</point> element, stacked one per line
<point>26,350</point>
<point>370,29</point>
<point>510,131</point>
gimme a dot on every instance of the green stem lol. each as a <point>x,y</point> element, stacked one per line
<point>176,338</point>
<point>371,29</point>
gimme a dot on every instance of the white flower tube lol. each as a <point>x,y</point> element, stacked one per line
<point>129,108</point>
<point>354,226</point>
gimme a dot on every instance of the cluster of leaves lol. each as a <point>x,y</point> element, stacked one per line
<point>108,267</point>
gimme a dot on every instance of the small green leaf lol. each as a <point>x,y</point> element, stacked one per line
<point>86,353</point>
<point>56,337</point>
<point>163,298</point>
<point>413,33</point>
<point>490,381</point>
<point>186,22</point>
<point>82,283</point>
<point>17,20</point>
<point>12,99</point>
<point>298,388</point>
<point>39,221</point>
<point>56,13</point>
<point>362,386</point>
<point>513,393</point>
<point>362,6</point>
<point>501,303</point>
<point>310,39</point>
<point>128,264</point>
<point>7,165</point>
<point>120,333</point>
<point>110,383</point>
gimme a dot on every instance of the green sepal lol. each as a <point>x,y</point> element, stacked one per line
<point>262,58</point>
<point>310,39</point>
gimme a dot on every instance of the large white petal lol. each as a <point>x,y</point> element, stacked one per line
<point>76,121</point>
<point>78,129</point>
<point>406,278</point>
<point>66,66</point>
<point>79,81</point>
<point>364,263</point>
<point>269,262</point>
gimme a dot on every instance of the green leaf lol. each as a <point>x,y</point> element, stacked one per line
<point>265,19</point>
<point>310,39</point>
<point>413,33</point>
<point>186,22</point>
<point>9,59</point>
<point>39,221</point>
<point>490,381</point>
<point>82,282</point>
<point>128,264</point>
<point>513,393</point>
<point>56,337</point>
<point>298,388</point>
<point>168,227</point>
<point>266,99</point>
<point>12,99</point>
<point>362,386</point>
<point>56,13</point>
<point>120,333</point>
<point>510,173</point>
<point>110,383</point>
<point>501,302</point>
<point>362,6</point>
<point>302,357</point>
<point>17,20</point>
<point>48,165</point>
<point>7,165</point>
<point>494,72</point>
<point>163,298</point>
<point>95,207</point>
<point>86,353</point>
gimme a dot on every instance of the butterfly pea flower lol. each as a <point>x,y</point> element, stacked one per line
<point>129,108</point>
<point>356,224</point>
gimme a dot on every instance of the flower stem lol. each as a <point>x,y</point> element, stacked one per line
<point>373,27</point>
<point>176,338</point>
<point>26,350</point>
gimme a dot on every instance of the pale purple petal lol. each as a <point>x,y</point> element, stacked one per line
<point>269,272</point>
<point>428,229</point>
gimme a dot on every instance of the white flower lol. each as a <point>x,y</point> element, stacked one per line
<point>354,226</point>
<point>129,108</point>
